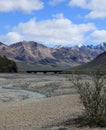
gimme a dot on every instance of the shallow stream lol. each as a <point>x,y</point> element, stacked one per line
<point>8,93</point>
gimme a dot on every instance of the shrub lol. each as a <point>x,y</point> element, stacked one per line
<point>93,97</point>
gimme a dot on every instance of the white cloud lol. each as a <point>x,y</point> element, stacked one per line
<point>80,3</point>
<point>96,14</point>
<point>97,7</point>
<point>55,2</point>
<point>10,37</point>
<point>98,36</point>
<point>56,31</point>
<point>26,6</point>
<point>58,16</point>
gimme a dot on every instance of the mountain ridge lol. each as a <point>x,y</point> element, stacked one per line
<point>33,53</point>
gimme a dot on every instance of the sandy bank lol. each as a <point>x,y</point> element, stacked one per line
<point>38,114</point>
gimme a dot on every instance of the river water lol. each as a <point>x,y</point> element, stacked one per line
<point>8,93</point>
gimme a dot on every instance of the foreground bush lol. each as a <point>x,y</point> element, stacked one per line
<point>93,97</point>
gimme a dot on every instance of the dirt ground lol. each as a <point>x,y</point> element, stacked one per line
<point>61,102</point>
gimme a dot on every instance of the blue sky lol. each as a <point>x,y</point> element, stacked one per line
<point>53,22</point>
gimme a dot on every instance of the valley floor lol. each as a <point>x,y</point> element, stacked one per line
<point>57,103</point>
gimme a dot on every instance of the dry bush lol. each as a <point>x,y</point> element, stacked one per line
<point>93,97</point>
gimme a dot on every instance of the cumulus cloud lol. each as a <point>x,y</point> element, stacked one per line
<point>26,6</point>
<point>98,36</point>
<point>80,3</point>
<point>97,7</point>
<point>55,2</point>
<point>55,31</point>
<point>10,37</point>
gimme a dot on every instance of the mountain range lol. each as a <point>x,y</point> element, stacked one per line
<point>32,55</point>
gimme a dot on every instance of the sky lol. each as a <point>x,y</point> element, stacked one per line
<point>53,22</point>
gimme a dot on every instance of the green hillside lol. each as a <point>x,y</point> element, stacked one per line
<point>7,65</point>
<point>98,64</point>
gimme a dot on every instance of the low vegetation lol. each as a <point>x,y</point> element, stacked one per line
<point>7,65</point>
<point>93,97</point>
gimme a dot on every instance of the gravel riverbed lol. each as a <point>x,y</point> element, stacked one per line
<point>38,102</point>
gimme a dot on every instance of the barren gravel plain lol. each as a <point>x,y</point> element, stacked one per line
<point>39,102</point>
